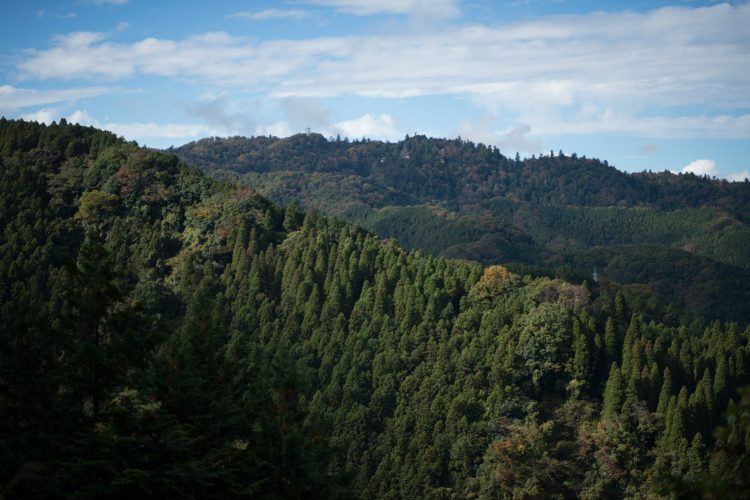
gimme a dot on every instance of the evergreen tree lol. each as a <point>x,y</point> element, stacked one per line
<point>581,353</point>
<point>612,393</point>
<point>678,427</point>
<point>720,380</point>
<point>292,216</point>
<point>665,394</point>
<point>611,344</point>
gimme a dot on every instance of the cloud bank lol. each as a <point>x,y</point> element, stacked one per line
<point>600,72</point>
<point>670,73</point>
<point>709,168</point>
<point>700,167</point>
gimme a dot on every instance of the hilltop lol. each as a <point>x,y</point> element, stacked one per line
<point>679,237</point>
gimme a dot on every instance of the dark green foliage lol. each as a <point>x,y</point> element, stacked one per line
<point>613,393</point>
<point>679,241</point>
<point>164,335</point>
<point>113,334</point>
<point>454,169</point>
<point>729,464</point>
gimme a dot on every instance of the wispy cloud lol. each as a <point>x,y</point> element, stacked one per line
<point>134,130</point>
<point>269,14</point>
<point>218,112</point>
<point>600,72</point>
<point>517,139</point>
<point>305,112</point>
<point>153,134</point>
<point>13,98</point>
<point>739,176</point>
<point>278,129</point>
<point>663,127</point>
<point>103,2</point>
<point>146,132</point>
<point>435,8</point>
<point>215,57</point>
<point>44,115</point>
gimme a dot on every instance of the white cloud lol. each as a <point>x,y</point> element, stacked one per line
<point>44,115</point>
<point>80,39</point>
<point>267,14</point>
<point>433,8</point>
<point>305,112</point>
<point>598,72</point>
<point>665,127</point>
<point>142,132</point>
<point>222,114</point>
<point>146,132</point>
<point>103,2</point>
<point>49,115</point>
<point>14,98</point>
<point>738,176</point>
<point>700,167</point>
<point>215,57</point>
<point>709,168</point>
<point>517,139</point>
<point>367,125</point>
<point>278,129</point>
<point>511,141</point>
<point>81,117</point>
<point>151,134</point>
<point>480,130</point>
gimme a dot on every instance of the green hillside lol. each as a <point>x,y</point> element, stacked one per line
<point>457,199</point>
<point>164,335</point>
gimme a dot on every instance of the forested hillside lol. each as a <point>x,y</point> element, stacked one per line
<point>454,198</point>
<point>165,335</point>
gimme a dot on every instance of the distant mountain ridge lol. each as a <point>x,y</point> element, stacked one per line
<point>455,198</point>
<point>454,170</point>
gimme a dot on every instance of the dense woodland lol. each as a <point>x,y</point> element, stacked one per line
<point>672,238</point>
<point>166,335</point>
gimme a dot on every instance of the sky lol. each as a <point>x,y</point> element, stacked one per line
<point>646,85</point>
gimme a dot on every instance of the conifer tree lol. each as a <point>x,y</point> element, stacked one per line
<point>621,312</point>
<point>665,394</point>
<point>696,457</point>
<point>632,395</point>
<point>612,393</point>
<point>581,353</point>
<point>678,425</point>
<point>291,216</point>
<point>611,344</point>
<point>720,380</point>
<point>98,342</point>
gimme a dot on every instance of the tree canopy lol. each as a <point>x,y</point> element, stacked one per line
<point>163,334</point>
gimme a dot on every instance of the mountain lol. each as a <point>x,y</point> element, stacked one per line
<point>681,237</point>
<point>163,334</point>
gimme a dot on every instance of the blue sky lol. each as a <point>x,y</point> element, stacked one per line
<point>650,85</point>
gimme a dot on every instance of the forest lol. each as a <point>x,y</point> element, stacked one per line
<point>554,214</point>
<point>164,334</point>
